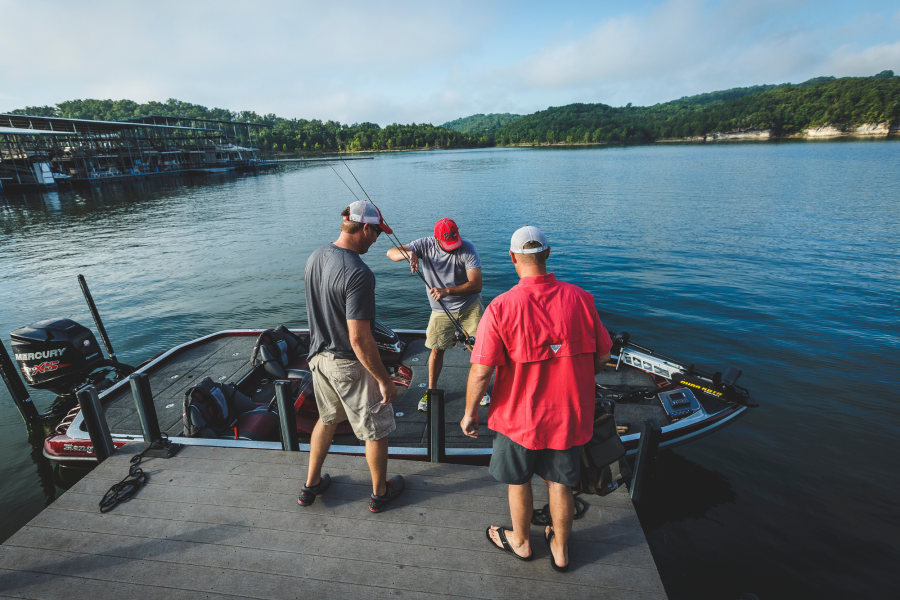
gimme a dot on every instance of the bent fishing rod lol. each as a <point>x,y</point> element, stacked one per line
<point>461,334</point>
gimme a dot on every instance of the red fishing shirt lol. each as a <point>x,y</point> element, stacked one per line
<point>542,335</point>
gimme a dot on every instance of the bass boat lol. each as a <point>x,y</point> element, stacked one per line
<point>219,390</point>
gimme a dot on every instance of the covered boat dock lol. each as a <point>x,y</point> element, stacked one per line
<point>44,152</point>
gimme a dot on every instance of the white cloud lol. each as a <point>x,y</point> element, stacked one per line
<point>684,47</point>
<point>847,61</point>
<point>427,62</point>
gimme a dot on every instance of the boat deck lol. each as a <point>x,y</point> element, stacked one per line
<point>226,359</point>
<point>219,523</point>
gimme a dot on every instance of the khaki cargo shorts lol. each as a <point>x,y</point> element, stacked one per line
<point>346,391</point>
<point>441,335</point>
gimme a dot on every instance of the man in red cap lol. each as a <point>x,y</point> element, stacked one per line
<point>452,270</point>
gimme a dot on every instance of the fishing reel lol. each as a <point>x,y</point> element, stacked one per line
<point>462,338</point>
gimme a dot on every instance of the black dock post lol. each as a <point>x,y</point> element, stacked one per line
<point>143,399</point>
<point>286,416</point>
<point>96,315</point>
<point>96,422</point>
<point>647,447</point>
<point>436,435</point>
<point>17,389</point>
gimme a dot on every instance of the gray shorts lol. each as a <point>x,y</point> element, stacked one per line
<point>515,464</point>
<point>346,391</point>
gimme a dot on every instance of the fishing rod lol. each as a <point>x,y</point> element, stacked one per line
<point>461,334</point>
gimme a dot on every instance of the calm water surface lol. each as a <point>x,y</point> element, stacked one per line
<point>781,259</point>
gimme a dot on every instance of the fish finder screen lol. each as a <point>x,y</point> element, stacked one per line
<point>677,396</point>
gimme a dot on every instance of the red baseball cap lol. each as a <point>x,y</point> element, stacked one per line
<point>447,234</point>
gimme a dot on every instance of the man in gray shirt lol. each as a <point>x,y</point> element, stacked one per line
<point>452,271</point>
<point>349,379</point>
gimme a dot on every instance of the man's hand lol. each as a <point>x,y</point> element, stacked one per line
<point>367,353</point>
<point>479,378</point>
<point>438,293</point>
<point>388,391</point>
<point>469,424</point>
<point>413,262</point>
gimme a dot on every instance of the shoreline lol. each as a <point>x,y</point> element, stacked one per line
<point>827,132</point>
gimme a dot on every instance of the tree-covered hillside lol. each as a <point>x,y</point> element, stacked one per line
<point>481,124</point>
<point>287,135</point>
<point>785,109</point>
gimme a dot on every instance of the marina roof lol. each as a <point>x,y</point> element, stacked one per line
<point>154,118</point>
<point>22,131</point>
<point>33,123</point>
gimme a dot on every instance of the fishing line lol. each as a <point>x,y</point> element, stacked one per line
<point>344,182</point>
<point>357,181</point>
<point>461,332</point>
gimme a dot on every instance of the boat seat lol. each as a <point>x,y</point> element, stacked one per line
<point>217,410</point>
<point>280,353</point>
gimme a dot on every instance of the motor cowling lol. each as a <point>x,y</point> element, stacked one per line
<point>388,342</point>
<point>55,354</point>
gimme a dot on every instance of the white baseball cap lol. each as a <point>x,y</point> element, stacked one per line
<point>366,212</point>
<point>523,236</point>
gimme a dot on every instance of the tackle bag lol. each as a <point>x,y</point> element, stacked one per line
<point>276,349</point>
<point>213,410</point>
<point>603,464</point>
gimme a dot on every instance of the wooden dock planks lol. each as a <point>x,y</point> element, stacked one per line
<point>224,523</point>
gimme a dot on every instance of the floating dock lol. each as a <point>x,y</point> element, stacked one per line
<point>224,523</point>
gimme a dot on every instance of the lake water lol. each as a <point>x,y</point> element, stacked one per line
<point>778,258</point>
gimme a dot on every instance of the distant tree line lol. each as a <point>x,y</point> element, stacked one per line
<point>481,124</point>
<point>785,109</point>
<point>287,135</point>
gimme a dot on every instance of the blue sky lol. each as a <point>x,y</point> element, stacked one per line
<point>429,61</point>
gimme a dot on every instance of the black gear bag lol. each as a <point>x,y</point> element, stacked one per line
<point>603,464</point>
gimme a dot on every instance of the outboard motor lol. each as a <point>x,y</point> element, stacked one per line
<point>59,355</point>
<point>389,345</point>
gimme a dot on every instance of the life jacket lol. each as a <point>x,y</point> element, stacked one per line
<point>211,409</point>
<point>275,349</point>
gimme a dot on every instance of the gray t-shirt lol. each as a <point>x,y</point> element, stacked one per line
<point>339,286</point>
<point>444,269</point>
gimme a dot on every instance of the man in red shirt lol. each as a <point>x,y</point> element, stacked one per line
<point>546,341</point>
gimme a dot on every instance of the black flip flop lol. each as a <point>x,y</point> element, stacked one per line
<point>556,567</point>
<point>501,533</point>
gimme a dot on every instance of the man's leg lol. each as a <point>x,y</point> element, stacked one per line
<point>319,444</point>
<point>521,505</point>
<point>562,512</point>
<point>435,364</point>
<point>377,456</point>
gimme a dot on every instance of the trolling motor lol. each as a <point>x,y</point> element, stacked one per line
<point>719,385</point>
<point>61,356</point>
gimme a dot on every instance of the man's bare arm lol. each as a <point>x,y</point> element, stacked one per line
<point>367,352</point>
<point>600,361</point>
<point>479,379</point>
<point>395,255</point>
<point>469,288</point>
